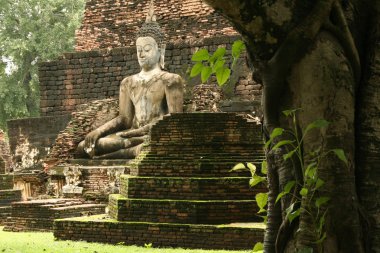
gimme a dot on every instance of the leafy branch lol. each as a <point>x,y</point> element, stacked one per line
<point>207,64</point>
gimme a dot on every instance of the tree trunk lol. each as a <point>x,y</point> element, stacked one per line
<point>368,137</point>
<point>308,57</point>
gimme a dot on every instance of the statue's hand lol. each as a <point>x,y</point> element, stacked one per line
<point>89,142</point>
<point>134,132</point>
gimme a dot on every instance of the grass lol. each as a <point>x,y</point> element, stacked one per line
<point>37,242</point>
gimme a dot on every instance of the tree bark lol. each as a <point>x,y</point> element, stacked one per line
<point>308,55</point>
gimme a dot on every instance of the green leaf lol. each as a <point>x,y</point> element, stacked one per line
<point>319,183</point>
<point>222,75</point>
<point>309,167</point>
<point>200,55</point>
<point>294,215</point>
<point>206,73</point>
<point>291,112</point>
<point>280,195</point>
<point>276,132</point>
<point>239,166</point>
<point>282,143</point>
<point>289,185</point>
<point>218,54</point>
<point>237,48</point>
<point>252,168</point>
<point>258,248</point>
<point>289,155</point>
<point>340,154</point>
<point>319,123</point>
<point>264,167</point>
<point>261,200</point>
<point>321,201</point>
<point>304,192</point>
<point>196,69</point>
<point>311,172</point>
<point>321,222</point>
<point>256,180</point>
<point>218,64</point>
<point>291,213</point>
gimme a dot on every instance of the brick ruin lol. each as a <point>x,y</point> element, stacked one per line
<point>79,78</point>
<point>105,51</point>
<point>7,193</point>
<point>180,191</point>
<point>5,154</point>
<point>81,86</point>
<point>114,23</point>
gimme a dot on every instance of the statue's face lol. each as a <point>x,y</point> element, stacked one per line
<point>148,53</point>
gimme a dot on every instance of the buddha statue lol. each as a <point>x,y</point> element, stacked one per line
<point>144,98</point>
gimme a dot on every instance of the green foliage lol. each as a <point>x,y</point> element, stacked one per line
<point>148,245</point>
<point>311,181</point>
<point>262,201</point>
<point>310,198</point>
<point>258,248</point>
<point>207,64</point>
<point>31,31</point>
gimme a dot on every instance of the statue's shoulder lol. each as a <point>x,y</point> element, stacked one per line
<point>127,82</point>
<point>171,78</point>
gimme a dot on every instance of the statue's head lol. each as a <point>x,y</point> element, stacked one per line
<point>150,42</point>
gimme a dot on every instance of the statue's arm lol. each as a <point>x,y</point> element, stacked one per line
<point>126,108</point>
<point>122,121</point>
<point>174,94</point>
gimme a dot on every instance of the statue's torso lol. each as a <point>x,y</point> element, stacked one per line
<point>148,97</point>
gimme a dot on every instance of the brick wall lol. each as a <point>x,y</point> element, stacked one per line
<point>6,181</point>
<point>78,78</point>
<point>30,139</point>
<point>113,23</point>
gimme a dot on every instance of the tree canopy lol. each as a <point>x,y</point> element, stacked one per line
<point>31,31</point>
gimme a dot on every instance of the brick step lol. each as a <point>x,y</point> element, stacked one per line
<point>227,188</point>
<point>9,196</point>
<point>100,229</point>
<point>202,158</point>
<point>214,149</point>
<point>92,162</point>
<point>197,154</point>
<point>38,215</point>
<point>168,169</point>
<point>47,202</point>
<point>18,224</point>
<point>5,212</point>
<point>182,211</point>
<point>6,181</point>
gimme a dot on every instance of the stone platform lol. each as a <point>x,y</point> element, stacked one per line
<point>38,215</point>
<point>101,228</point>
<point>181,192</point>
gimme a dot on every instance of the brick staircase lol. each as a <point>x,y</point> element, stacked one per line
<point>38,215</point>
<point>180,191</point>
<point>7,194</point>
